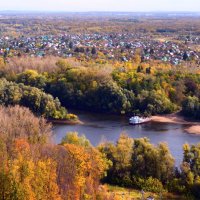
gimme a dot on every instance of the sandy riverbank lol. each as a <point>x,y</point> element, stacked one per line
<point>171,118</point>
<point>193,127</point>
<point>168,119</point>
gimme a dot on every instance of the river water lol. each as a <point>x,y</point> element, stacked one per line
<point>100,128</point>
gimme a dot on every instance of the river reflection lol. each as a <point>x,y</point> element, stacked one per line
<point>100,128</point>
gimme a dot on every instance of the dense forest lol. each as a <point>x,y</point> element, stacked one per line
<point>32,167</point>
<point>110,87</point>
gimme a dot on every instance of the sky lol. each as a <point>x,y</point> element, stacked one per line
<point>101,5</point>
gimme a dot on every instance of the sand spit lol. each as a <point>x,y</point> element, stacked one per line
<point>172,118</point>
<point>192,127</point>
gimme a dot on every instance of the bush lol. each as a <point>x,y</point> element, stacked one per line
<point>71,117</point>
<point>176,186</point>
<point>150,185</point>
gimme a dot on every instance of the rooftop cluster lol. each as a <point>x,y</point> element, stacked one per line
<point>116,46</point>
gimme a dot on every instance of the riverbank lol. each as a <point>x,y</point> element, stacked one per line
<point>65,122</point>
<point>171,118</point>
<point>193,129</point>
<point>193,126</point>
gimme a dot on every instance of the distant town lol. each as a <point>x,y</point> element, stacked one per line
<point>112,46</point>
<point>119,38</point>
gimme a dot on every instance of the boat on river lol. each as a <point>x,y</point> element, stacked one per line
<point>136,120</point>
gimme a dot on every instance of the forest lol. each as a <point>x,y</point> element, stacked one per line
<point>113,87</point>
<point>17,24</point>
<point>33,167</point>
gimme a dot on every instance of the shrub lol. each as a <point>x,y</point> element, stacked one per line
<point>150,184</point>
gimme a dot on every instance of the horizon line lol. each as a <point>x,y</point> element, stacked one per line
<point>100,11</point>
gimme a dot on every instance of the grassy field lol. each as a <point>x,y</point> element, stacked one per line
<point>131,194</point>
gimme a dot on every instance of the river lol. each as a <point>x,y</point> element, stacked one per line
<point>100,128</point>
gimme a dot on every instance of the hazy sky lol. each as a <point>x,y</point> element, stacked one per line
<point>101,5</point>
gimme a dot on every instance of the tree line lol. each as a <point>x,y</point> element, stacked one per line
<point>121,88</point>
<point>38,101</point>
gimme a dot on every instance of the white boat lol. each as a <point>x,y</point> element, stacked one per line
<point>138,120</point>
